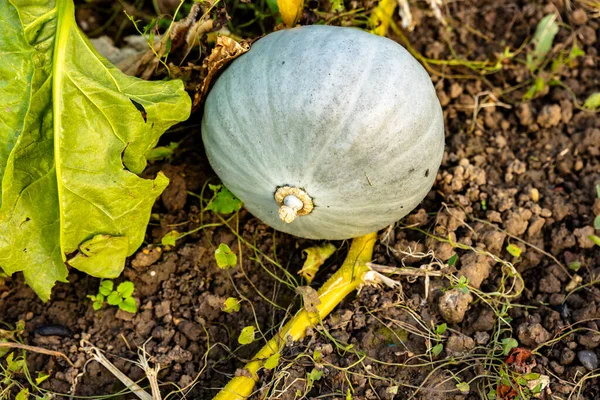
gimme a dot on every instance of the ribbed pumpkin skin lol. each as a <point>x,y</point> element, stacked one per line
<point>350,117</point>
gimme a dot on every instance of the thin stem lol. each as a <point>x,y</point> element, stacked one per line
<point>347,279</point>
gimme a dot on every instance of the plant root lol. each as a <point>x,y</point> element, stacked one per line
<point>99,357</point>
<point>36,350</point>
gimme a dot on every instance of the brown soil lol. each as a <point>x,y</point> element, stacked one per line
<point>515,172</point>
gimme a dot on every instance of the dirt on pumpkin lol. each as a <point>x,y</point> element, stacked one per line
<point>500,298</point>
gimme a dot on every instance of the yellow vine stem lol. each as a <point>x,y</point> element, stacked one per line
<point>347,279</point>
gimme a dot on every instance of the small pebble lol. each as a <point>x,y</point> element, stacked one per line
<point>567,356</point>
<point>588,359</point>
<point>535,195</point>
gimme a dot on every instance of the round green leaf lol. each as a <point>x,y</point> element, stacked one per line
<point>114,299</point>
<point>247,335</point>
<point>128,304</point>
<point>126,289</point>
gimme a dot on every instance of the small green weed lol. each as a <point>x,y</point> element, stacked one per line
<point>225,257</point>
<point>121,297</point>
<point>537,60</point>
<point>14,368</point>
<point>247,335</point>
<point>439,331</point>
<point>223,201</point>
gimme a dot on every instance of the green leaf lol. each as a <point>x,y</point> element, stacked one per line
<point>337,6</point>
<point>491,395</point>
<point>170,239</point>
<point>128,304</point>
<point>595,239</point>
<point>15,365</point>
<point>538,87</point>
<point>272,362</point>
<point>543,38</point>
<point>592,102</point>
<point>126,289</point>
<point>224,201</point>
<point>317,356</point>
<point>162,152</point>
<point>441,328</point>
<point>508,344</point>
<point>23,394</point>
<point>231,305</point>
<point>575,266</point>
<point>41,377</point>
<point>463,387</point>
<point>96,305</point>
<point>103,256</point>
<point>597,222</point>
<point>247,335</point>
<point>437,349</point>
<point>73,146</point>
<point>514,250</point>
<point>272,4</point>
<point>225,257</point>
<point>452,260</point>
<point>106,287</point>
<point>521,381</point>
<point>574,53</point>
<point>314,375</point>
<point>532,376</point>
<point>598,190</point>
<point>114,299</point>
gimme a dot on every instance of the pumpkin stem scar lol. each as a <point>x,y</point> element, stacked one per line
<point>292,202</point>
<point>349,277</point>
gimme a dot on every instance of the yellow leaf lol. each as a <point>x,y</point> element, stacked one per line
<point>315,257</point>
<point>382,16</point>
<point>290,11</point>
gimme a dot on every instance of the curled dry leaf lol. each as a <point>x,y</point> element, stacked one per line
<point>310,298</point>
<point>506,392</point>
<point>520,360</point>
<point>315,257</point>
<point>177,37</point>
<point>225,51</point>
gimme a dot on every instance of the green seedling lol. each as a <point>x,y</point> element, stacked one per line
<point>162,152</point>
<point>545,32</point>
<point>508,344</point>
<point>312,377</point>
<point>537,61</point>
<point>575,266</point>
<point>121,297</point>
<point>439,331</point>
<point>463,284</point>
